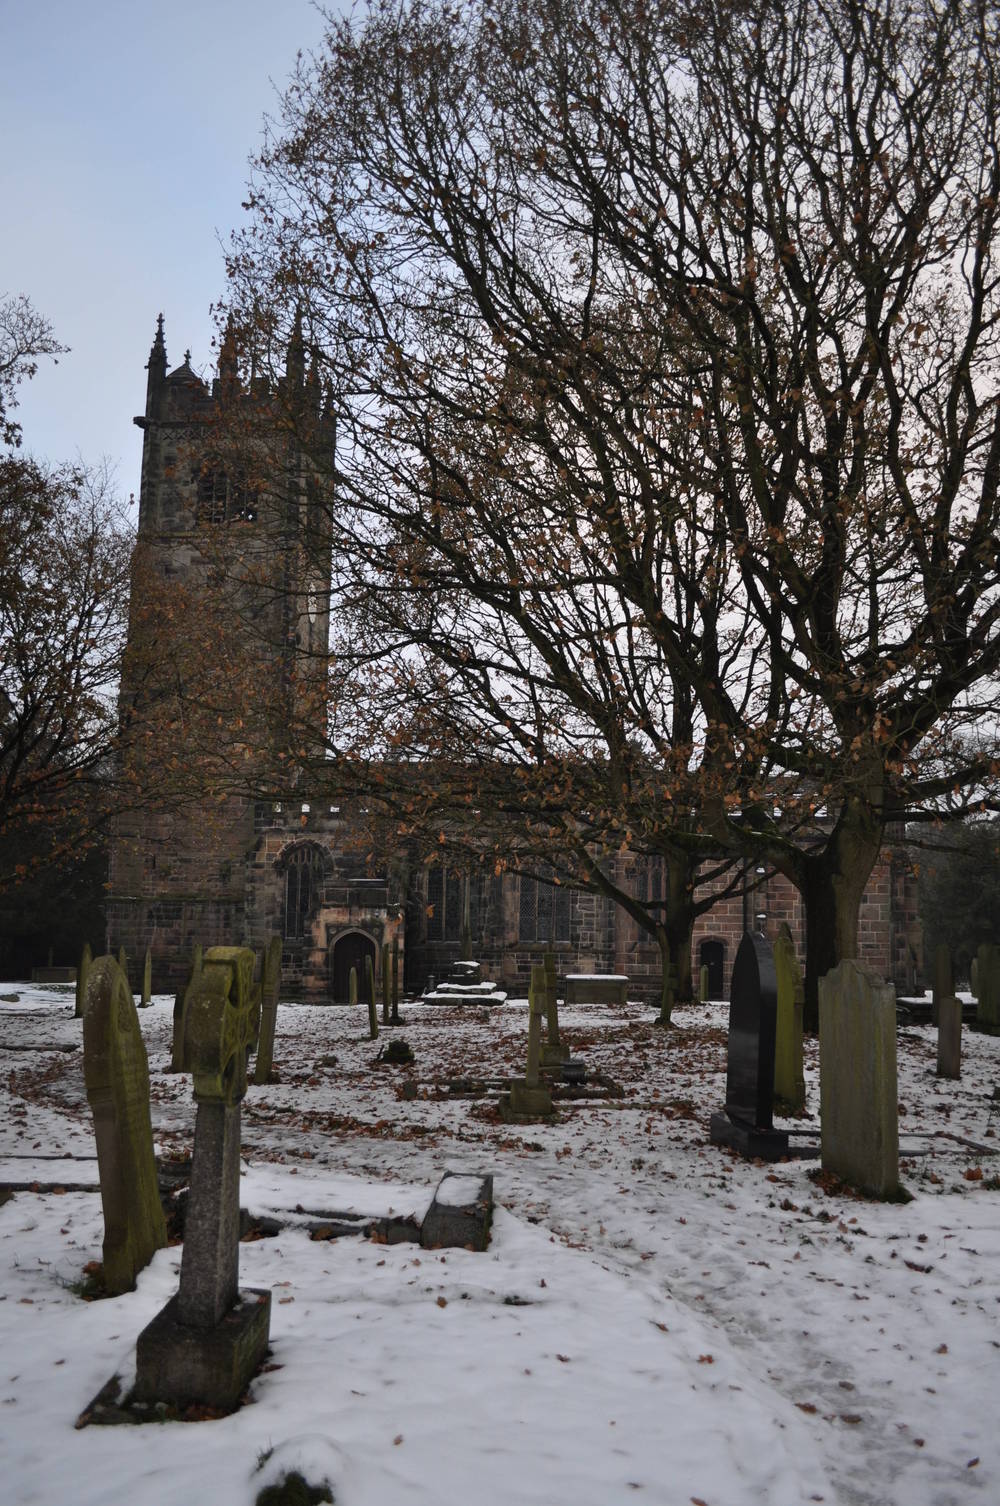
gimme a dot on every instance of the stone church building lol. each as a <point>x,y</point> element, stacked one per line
<point>292,866</point>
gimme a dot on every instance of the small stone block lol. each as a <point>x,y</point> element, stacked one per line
<point>949,1052</point>
<point>523,1104</point>
<point>211,1367</point>
<point>752,1144</point>
<point>448,1223</point>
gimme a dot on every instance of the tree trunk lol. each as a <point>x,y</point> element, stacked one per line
<point>832,883</point>
<point>674,935</point>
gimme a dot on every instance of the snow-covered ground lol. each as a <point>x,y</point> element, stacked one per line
<point>654,1320</point>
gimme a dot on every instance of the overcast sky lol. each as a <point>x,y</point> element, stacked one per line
<point>126,129</point>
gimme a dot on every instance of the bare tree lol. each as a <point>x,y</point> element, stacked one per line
<point>25,335</point>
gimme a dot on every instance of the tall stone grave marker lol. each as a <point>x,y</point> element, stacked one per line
<point>943,985</point>
<point>974,977</point>
<point>747,1124</point>
<point>146,992</point>
<point>370,993</point>
<point>123,963</point>
<point>116,1072</point>
<point>205,1345</point>
<point>859,1124</point>
<point>528,1098</point>
<point>395,981</point>
<point>703,984</point>
<point>988,989</point>
<point>270,987</point>
<point>554,1052</point>
<point>789,1076</point>
<point>949,1051</point>
<point>82,974</point>
<point>184,995</point>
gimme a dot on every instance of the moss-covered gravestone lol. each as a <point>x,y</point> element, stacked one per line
<point>116,1073</point>
<point>205,1345</point>
<point>859,1124</point>
<point>703,984</point>
<point>180,1010</point>
<point>988,989</point>
<point>789,1076</point>
<point>82,974</point>
<point>527,1098</point>
<point>146,992</point>
<point>554,1052</point>
<point>270,987</point>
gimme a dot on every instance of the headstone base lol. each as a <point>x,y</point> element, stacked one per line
<point>753,1144</point>
<point>463,1225</point>
<point>553,1057</point>
<point>523,1104</point>
<point>211,1367</point>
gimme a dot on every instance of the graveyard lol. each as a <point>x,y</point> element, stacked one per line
<point>654,1317</point>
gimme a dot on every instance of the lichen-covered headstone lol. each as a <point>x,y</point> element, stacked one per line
<point>180,1010</point>
<point>370,993</point>
<point>205,1345</point>
<point>747,1124</point>
<point>528,1098</point>
<point>789,1076</point>
<point>82,974</point>
<point>988,989</point>
<point>859,1125</point>
<point>943,986</point>
<point>554,1052</point>
<point>116,1072</point>
<point>949,1051</point>
<point>270,987</point>
<point>146,992</point>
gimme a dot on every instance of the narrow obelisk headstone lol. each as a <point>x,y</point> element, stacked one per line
<point>747,1123</point>
<point>205,1345</point>
<point>943,986</point>
<point>184,995</point>
<point>528,1098</point>
<point>974,977</point>
<point>949,1051</point>
<point>352,986</point>
<point>859,1123</point>
<point>146,992</point>
<point>116,1072</point>
<point>82,974</point>
<point>270,987</point>
<point>386,987</point>
<point>395,980</point>
<point>554,1052</point>
<point>789,1074</point>
<point>988,989</point>
<point>703,984</point>
<point>370,993</point>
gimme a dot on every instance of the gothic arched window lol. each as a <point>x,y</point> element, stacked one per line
<point>303,876</point>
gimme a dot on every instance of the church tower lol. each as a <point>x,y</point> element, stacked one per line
<point>228,638</point>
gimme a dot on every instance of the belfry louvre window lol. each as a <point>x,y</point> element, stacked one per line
<point>303,876</point>
<point>223,498</point>
<point>543,912</point>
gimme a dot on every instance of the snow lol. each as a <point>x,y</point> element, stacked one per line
<point>654,1320</point>
<point>459,1192</point>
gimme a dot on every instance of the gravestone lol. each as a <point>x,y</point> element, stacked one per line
<point>352,986</point>
<point>703,984</point>
<point>82,974</point>
<point>386,985</point>
<point>184,995</point>
<point>395,980</point>
<point>146,992</point>
<point>205,1345</point>
<point>370,992</point>
<point>943,985</point>
<point>554,1052</point>
<point>988,989</point>
<point>270,987</point>
<point>949,1051</point>
<point>789,1076</point>
<point>747,1125</point>
<point>123,963</point>
<point>974,977</point>
<point>116,1073</point>
<point>859,1123</point>
<point>527,1098</point>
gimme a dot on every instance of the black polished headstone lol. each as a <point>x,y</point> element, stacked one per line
<point>747,1125</point>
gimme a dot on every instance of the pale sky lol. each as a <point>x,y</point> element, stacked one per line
<point>126,129</point>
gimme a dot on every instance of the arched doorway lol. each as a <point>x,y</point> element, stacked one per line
<point>349,950</point>
<point>711,955</point>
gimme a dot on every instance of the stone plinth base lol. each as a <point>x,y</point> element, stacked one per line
<point>766,1145</point>
<point>209,1366</point>
<point>522,1103</point>
<point>553,1057</point>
